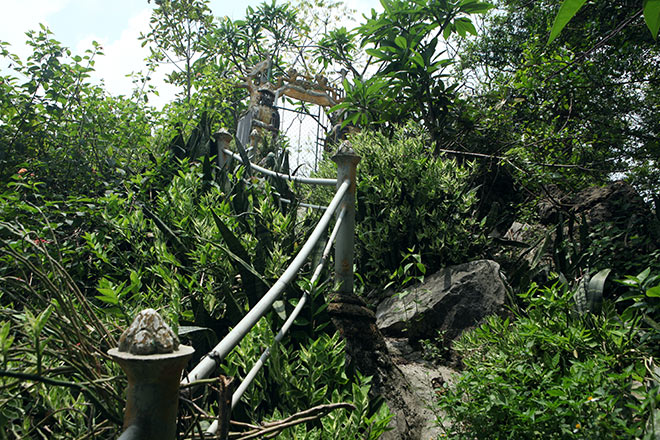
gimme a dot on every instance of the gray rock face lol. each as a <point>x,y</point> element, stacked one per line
<point>451,300</point>
<point>148,334</point>
<point>367,352</point>
<point>426,380</point>
<point>612,202</point>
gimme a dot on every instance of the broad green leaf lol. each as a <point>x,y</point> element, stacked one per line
<point>377,53</point>
<point>108,296</point>
<point>240,258</point>
<point>469,26</point>
<point>401,42</point>
<point>651,322</point>
<point>644,275</point>
<point>595,290</point>
<point>374,87</point>
<point>567,11</point>
<point>4,330</point>
<point>447,31</point>
<point>188,329</point>
<point>390,49</point>
<point>5,339</point>
<point>417,58</point>
<point>473,7</point>
<point>41,320</point>
<point>652,16</point>
<point>653,292</point>
<point>580,298</point>
<point>463,26</point>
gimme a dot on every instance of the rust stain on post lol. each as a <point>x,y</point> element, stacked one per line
<point>346,160</point>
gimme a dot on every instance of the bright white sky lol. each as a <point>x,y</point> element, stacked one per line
<point>115,24</point>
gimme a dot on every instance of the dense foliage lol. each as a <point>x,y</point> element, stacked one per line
<point>587,101</point>
<point>468,119</point>
<point>409,199</point>
<point>108,206</point>
<point>553,372</point>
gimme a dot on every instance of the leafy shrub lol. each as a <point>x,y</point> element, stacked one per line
<point>554,373</point>
<point>409,198</point>
<point>643,302</point>
<point>99,220</point>
<point>298,378</point>
<point>54,374</point>
<point>625,244</point>
<point>170,253</point>
<point>63,129</point>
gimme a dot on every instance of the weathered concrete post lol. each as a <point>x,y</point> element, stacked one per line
<point>346,161</point>
<point>222,140</point>
<point>349,314</point>
<point>150,355</point>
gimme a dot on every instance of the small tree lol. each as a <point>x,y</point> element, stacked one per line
<point>177,32</point>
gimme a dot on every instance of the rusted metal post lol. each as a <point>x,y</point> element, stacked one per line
<point>346,161</point>
<point>150,355</point>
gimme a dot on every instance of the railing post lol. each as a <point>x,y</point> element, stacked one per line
<point>346,161</point>
<point>150,355</point>
<point>222,140</point>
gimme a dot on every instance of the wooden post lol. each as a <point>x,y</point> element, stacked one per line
<point>227,386</point>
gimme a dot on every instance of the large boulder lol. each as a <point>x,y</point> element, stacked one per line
<point>451,300</point>
<point>610,203</point>
<point>606,226</point>
<point>614,202</point>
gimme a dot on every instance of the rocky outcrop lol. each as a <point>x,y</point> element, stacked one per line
<point>367,352</point>
<point>608,203</point>
<point>426,380</point>
<point>450,301</point>
<point>613,202</point>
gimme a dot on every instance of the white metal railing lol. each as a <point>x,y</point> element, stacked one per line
<point>267,172</point>
<point>342,204</point>
<point>249,377</point>
<point>206,365</point>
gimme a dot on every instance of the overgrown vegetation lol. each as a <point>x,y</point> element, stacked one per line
<point>109,206</point>
<point>409,198</point>
<point>553,372</point>
<point>469,118</point>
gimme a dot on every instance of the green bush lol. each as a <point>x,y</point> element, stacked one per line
<point>554,373</point>
<point>59,127</point>
<point>408,198</point>
<point>297,378</point>
<point>184,246</point>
